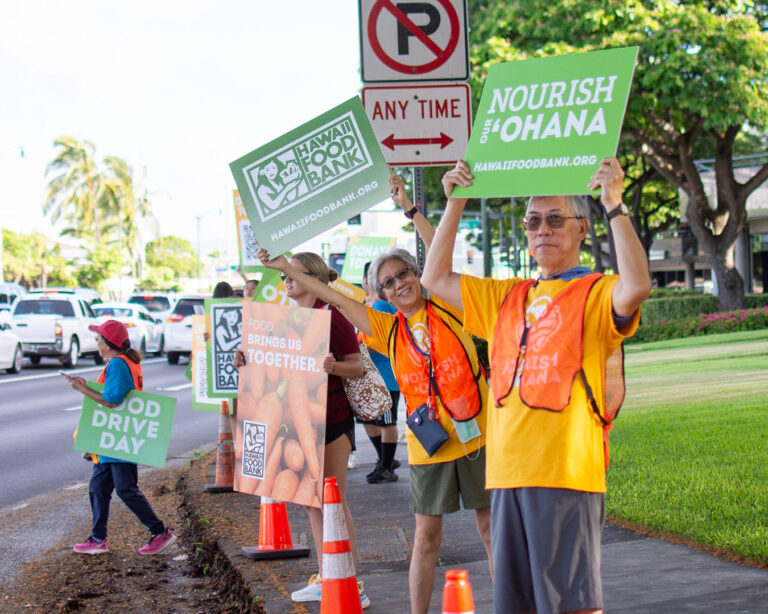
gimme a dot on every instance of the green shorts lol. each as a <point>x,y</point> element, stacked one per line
<point>435,488</point>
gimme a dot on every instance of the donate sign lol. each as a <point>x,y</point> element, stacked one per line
<point>312,178</point>
<point>137,430</point>
<point>543,125</point>
<point>361,250</point>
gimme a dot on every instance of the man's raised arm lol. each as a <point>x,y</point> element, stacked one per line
<point>634,285</point>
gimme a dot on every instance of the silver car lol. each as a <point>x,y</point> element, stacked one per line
<point>144,331</point>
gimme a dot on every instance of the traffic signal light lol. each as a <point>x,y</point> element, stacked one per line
<point>469,256</point>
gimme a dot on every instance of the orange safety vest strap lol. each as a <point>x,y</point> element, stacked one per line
<point>134,367</point>
<point>447,370</point>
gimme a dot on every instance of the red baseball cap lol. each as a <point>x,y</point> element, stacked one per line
<point>113,331</point>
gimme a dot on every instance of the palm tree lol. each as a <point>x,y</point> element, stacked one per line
<point>74,193</point>
<point>125,209</point>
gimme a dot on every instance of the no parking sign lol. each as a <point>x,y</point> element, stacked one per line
<point>407,41</point>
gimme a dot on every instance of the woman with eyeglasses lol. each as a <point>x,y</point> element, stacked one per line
<point>439,374</point>
<point>306,277</point>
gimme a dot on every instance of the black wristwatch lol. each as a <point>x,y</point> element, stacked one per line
<point>411,213</point>
<point>622,209</point>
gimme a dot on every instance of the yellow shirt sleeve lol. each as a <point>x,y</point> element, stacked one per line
<point>381,326</point>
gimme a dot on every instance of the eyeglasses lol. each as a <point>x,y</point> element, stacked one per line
<point>554,221</point>
<point>389,282</point>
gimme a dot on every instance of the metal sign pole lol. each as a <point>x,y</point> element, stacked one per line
<point>487,256</point>
<point>421,202</point>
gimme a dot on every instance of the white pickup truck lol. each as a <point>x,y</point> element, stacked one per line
<point>55,326</point>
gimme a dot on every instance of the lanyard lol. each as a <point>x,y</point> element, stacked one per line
<point>431,407</point>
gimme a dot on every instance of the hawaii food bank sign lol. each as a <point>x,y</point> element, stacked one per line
<point>312,178</point>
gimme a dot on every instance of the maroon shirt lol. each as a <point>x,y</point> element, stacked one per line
<point>343,342</point>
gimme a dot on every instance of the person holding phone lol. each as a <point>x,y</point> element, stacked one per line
<point>121,374</point>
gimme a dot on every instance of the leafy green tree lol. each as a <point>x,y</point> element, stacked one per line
<point>102,263</point>
<point>700,82</point>
<point>169,259</point>
<point>29,260</point>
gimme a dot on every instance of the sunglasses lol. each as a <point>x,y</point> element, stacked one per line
<point>289,278</point>
<point>554,220</point>
<point>389,282</point>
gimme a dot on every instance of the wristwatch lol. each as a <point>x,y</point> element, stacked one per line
<point>411,213</point>
<point>622,209</point>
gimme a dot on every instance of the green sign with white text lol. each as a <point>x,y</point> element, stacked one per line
<point>312,178</point>
<point>137,430</point>
<point>361,250</point>
<point>543,125</point>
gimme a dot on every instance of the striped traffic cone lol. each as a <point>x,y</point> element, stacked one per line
<point>274,534</point>
<point>225,456</point>
<point>340,593</point>
<point>457,593</point>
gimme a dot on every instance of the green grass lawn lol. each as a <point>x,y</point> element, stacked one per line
<point>689,450</point>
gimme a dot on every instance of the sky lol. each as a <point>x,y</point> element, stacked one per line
<point>177,89</point>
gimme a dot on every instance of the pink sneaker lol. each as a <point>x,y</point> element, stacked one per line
<point>158,543</point>
<point>91,546</point>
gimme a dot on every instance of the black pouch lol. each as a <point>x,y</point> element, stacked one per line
<point>430,433</point>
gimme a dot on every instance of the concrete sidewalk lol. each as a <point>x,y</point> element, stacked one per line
<point>640,574</point>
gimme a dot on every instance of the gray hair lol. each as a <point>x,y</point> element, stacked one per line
<point>394,254</point>
<point>577,205</point>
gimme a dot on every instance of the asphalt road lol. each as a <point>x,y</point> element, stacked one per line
<point>39,412</point>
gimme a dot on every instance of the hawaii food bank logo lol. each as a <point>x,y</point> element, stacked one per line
<point>307,166</point>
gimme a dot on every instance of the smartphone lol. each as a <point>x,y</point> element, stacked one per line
<point>63,373</point>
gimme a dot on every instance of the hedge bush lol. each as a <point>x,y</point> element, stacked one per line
<point>702,324</point>
<point>668,307</point>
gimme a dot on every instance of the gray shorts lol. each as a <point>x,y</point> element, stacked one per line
<point>546,550</point>
<point>435,488</point>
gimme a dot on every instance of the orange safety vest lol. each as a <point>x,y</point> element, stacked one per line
<point>448,364</point>
<point>552,349</point>
<point>135,368</point>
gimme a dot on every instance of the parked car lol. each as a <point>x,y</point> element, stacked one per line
<point>10,349</point>
<point>159,304</point>
<point>55,325</point>
<point>178,326</point>
<point>144,331</point>
<point>92,296</point>
<point>9,294</point>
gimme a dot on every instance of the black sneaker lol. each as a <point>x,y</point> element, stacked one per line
<point>395,464</point>
<point>381,475</point>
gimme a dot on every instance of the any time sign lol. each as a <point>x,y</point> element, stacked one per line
<point>420,125</point>
<point>413,41</point>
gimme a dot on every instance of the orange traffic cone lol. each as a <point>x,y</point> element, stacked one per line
<point>225,457</point>
<point>457,593</point>
<point>274,534</point>
<point>340,593</point>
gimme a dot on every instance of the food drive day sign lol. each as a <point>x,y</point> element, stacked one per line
<point>137,430</point>
<point>543,125</point>
<point>312,178</point>
<point>280,439</point>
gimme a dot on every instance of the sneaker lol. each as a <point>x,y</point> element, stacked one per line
<point>311,592</point>
<point>395,464</point>
<point>158,543</point>
<point>376,468</point>
<point>364,601</point>
<point>91,546</point>
<point>352,462</point>
<point>381,475</point>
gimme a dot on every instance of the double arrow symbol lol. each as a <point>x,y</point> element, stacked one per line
<point>444,140</point>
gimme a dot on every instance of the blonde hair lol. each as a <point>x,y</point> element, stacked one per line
<point>316,266</point>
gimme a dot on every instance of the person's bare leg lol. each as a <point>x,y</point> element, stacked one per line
<point>483,524</point>
<point>421,575</point>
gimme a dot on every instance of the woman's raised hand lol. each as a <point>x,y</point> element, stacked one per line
<point>278,263</point>
<point>399,193</point>
<point>459,175</point>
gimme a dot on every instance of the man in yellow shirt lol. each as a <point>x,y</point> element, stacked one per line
<point>549,342</point>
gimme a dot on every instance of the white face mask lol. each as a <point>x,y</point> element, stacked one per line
<point>467,430</point>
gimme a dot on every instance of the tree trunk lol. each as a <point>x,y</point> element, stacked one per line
<point>730,285</point>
